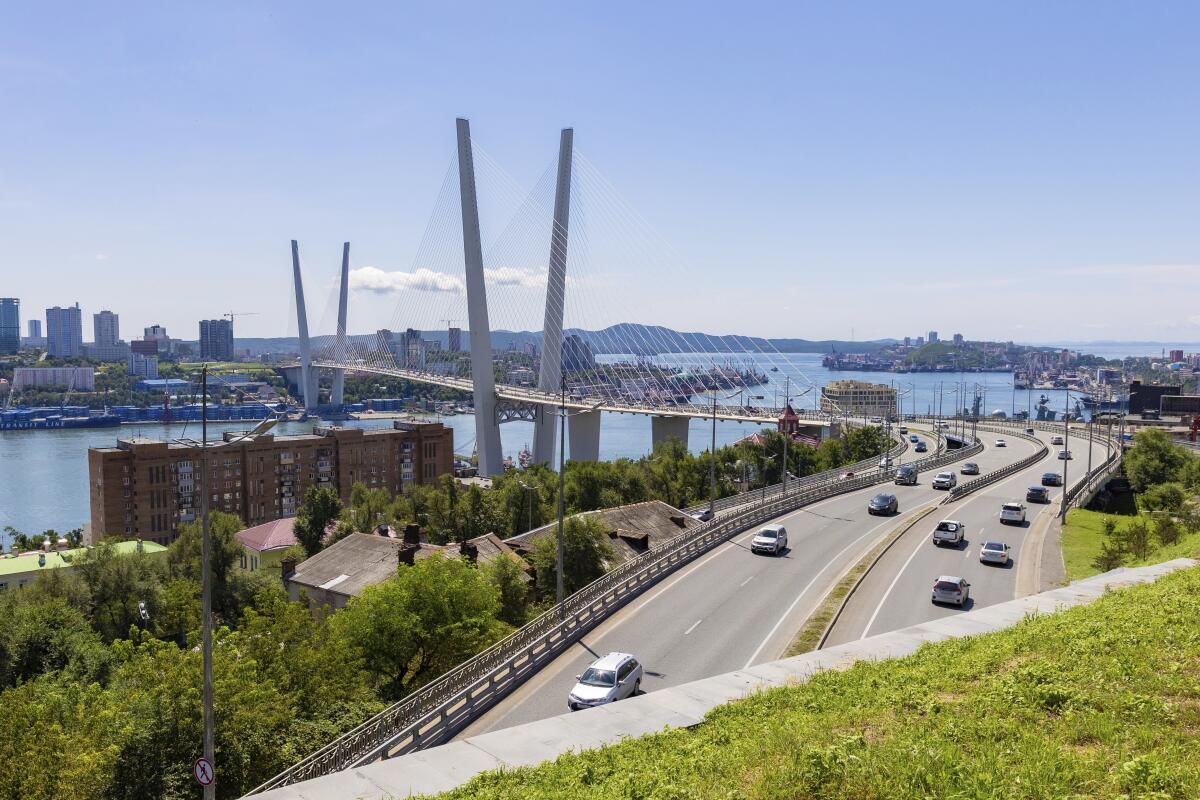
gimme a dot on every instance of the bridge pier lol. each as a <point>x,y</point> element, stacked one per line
<point>583,429</point>
<point>663,428</point>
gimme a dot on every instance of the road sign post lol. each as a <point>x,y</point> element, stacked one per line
<point>203,770</point>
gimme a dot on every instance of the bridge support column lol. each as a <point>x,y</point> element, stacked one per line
<point>550,376</point>
<point>338,397</point>
<point>663,428</point>
<point>307,376</point>
<point>583,429</point>
<point>487,427</point>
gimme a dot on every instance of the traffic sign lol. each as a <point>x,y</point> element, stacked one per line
<point>204,772</point>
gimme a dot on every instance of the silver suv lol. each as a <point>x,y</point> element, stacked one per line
<point>945,480</point>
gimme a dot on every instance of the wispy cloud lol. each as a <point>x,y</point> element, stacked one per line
<point>373,279</point>
<point>101,257</point>
<point>516,276</point>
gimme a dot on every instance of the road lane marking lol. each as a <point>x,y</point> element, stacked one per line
<point>895,580</point>
<point>694,624</point>
<point>743,583</point>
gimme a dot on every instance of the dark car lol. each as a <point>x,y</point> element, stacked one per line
<point>1037,494</point>
<point>920,448</point>
<point>1051,479</point>
<point>883,504</point>
<point>970,468</point>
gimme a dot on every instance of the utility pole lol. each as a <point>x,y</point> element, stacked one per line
<point>1067,450</point>
<point>712,462</point>
<point>210,790</point>
<point>562,474</point>
<point>787,431</point>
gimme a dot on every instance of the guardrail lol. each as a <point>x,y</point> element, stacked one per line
<point>437,711</point>
<point>958,492</point>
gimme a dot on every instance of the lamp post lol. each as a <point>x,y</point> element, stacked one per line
<point>1067,451</point>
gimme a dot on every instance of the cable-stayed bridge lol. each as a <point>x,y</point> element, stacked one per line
<point>583,275</point>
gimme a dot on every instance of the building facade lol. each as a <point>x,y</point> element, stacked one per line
<point>35,329</point>
<point>858,398</point>
<point>143,366</point>
<point>106,328</point>
<point>64,332</point>
<point>454,340</point>
<point>216,339</point>
<point>10,325</point>
<point>22,570</point>
<point>146,488</point>
<point>79,379</point>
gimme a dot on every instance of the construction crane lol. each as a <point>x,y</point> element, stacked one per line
<point>232,314</point>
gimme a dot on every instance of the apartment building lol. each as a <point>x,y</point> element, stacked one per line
<point>146,487</point>
<point>859,398</point>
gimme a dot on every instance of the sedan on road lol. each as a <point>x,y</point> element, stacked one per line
<point>611,678</point>
<point>951,589</point>
<point>1051,479</point>
<point>771,539</point>
<point>920,448</point>
<point>1064,455</point>
<point>970,468</point>
<point>1012,514</point>
<point>1056,439</point>
<point>993,552</point>
<point>1037,494</point>
<point>914,438</point>
<point>883,503</point>
<point>1001,443</point>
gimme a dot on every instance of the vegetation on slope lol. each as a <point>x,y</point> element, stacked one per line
<point>1099,701</point>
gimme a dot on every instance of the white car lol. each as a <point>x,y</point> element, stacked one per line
<point>1001,443</point>
<point>771,539</point>
<point>885,463</point>
<point>945,480</point>
<point>1012,514</point>
<point>993,552</point>
<point>703,515</point>
<point>1056,439</point>
<point>1064,455</point>
<point>903,430</point>
<point>951,589</point>
<point>949,531</point>
<point>611,678</point>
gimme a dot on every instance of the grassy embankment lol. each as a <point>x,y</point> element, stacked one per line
<point>1099,701</point>
<point>1083,535</point>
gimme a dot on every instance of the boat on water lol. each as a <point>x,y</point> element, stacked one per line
<point>774,369</point>
<point>525,457</point>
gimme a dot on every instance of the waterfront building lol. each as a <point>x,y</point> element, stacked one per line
<point>107,328</point>
<point>147,488</point>
<point>858,398</point>
<point>160,385</point>
<point>216,340</point>
<point>19,571</point>
<point>454,340</point>
<point>78,379</point>
<point>10,325</point>
<point>107,352</point>
<point>143,366</point>
<point>64,332</point>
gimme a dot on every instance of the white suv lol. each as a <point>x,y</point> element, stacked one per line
<point>771,539</point>
<point>945,480</point>
<point>1012,514</point>
<point>1056,439</point>
<point>611,678</point>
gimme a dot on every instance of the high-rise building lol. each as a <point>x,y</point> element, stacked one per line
<point>64,332</point>
<point>384,342</point>
<point>958,340</point>
<point>10,325</point>
<point>216,339</point>
<point>143,366</point>
<point>454,340</point>
<point>920,341</point>
<point>413,349</point>
<point>1176,355</point>
<point>932,337</point>
<point>107,328</point>
<point>35,329</point>
<point>908,341</point>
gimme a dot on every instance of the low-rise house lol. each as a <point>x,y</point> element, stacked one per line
<point>632,530</point>
<point>263,545</point>
<point>20,570</point>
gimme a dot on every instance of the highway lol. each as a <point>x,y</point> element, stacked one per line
<point>896,592</point>
<point>731,608</point>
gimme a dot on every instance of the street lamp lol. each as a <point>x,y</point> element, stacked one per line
<point>562,448</point>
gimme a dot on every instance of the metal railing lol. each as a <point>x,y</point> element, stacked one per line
<point>436,712</point>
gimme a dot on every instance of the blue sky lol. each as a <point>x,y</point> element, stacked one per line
<point>1021,170</point>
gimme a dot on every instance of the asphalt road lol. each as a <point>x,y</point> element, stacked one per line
<point>896,593</point>
<point>731,608</point>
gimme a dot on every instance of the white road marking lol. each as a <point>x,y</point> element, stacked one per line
<point>694,624</point>
<point>743,583</point>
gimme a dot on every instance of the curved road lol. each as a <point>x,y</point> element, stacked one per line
<point>896,592</point>
<point>731,608</point>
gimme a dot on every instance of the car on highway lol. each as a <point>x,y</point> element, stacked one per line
<point>883,503</point>
<point>912,437</point>
<point>1064,455</point>
<point>906,475</point>
<point>1012,514</point>
<point>610,678</point>
<point>885,462</point>
<point>770,539</point>
<point>949,531</point>
<point>1037,494</point>
<point>903,430</point>
<point>1029,431</point>
<point>943,424</point>
<point>1056,439</point>
<point>1001,443</point>
<point>877,420</point>
<point>945,480</point>
<point>703,515</point>
<point>993,552</point>
<point>920,448</point>
<point>847,475</point>
<point>951,589</point>
<point>970,468</point>
<point>1051,479</point>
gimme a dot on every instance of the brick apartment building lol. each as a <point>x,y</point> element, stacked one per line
<point>146,488</point>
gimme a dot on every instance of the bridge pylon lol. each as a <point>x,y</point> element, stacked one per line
<point>338,396</point>
<point>487,426</point>
<point>308,383</point>
<point>550,375</point>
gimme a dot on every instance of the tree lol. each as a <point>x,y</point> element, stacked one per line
<point>1112,549</point>
<point>1153,459</point>
<point>116,584</point>
<point>427,619</point>
<point>75,537</point>
<point>43,634</point>
<point>509,580</point>
<point>586,552</point>
<point>1166,529</point>
<point>1168,497</point>
<point>1137,538</point>
<point>321,506</point>
<point>369,507</point>
<point>228,585</point>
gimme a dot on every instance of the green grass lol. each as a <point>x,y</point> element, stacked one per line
<point>1083,534</point>
<point>1102,701</point>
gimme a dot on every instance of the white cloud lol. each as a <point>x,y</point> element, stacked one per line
<point>101,257</point>
<point>373,279</point>
<point>515,276</point>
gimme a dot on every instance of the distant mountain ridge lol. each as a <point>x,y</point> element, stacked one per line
<point>624,337</point>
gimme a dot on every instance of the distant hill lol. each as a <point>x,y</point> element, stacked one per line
<point>625,337</point>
